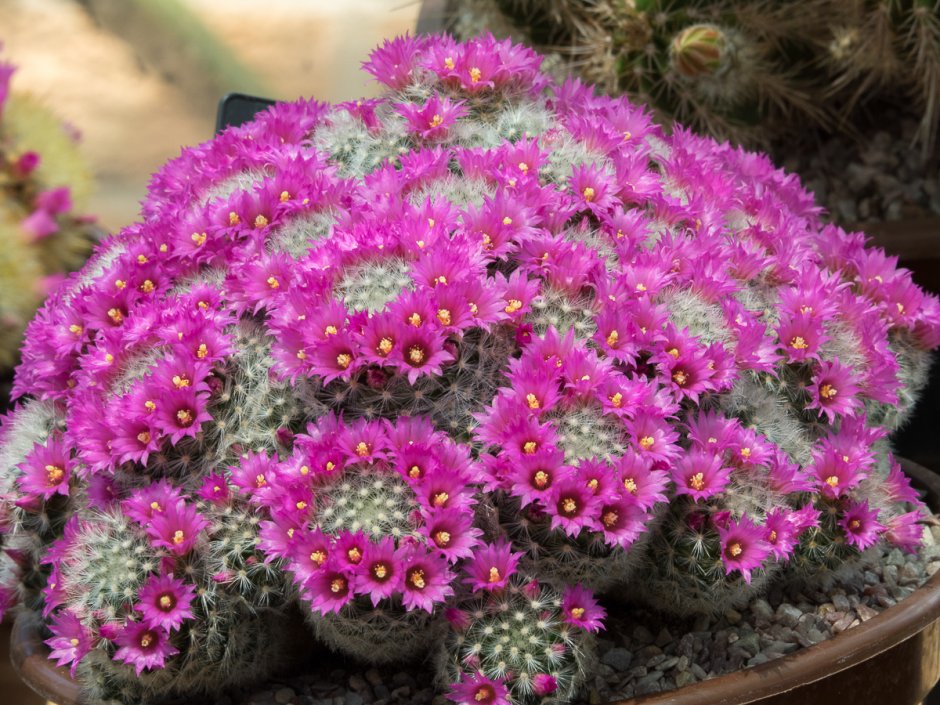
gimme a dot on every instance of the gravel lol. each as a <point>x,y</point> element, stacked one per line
<point>643,652</point>
<point>876,176</point>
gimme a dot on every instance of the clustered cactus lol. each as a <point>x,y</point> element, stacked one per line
<point>434,368</point>
<point>42,181</point>
<point>747,71</point>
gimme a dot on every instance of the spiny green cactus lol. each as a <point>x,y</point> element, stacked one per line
<point>518,635</point>
<point>741,70</point>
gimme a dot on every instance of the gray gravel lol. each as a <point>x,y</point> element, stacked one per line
<point>641,652</point>
<point>876,176</point>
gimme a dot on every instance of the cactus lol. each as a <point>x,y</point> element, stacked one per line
<point>43,181</point>
<point>364,361</point>
<point>745,71</point>
<point>523,641</point>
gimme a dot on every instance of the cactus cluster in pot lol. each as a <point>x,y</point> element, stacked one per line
<point>43,182</point>
<point>441,370</point>
<point>747,71</point>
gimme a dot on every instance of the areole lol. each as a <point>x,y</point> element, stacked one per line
<point>893,658</point>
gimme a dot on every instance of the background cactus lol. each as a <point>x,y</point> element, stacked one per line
<point>370,358</point>
<point>43,182</point>
<point>748,71</point>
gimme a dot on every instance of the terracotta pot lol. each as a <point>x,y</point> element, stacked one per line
<point>894,658</point>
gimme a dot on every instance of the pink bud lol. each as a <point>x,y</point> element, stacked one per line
<point>531,589</point>
<point>55,200</point>
<point>458,619</point>
<point>26,164</point>
<point>544,684</point>
<point>110,630</point>
<point>524,334</point>
<point>39,224</point>
<point>721,519</point>
<point>285,437</point>
<point>376,378</point>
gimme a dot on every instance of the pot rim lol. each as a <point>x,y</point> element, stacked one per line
<point>843,651</point>
<point>30,655</point>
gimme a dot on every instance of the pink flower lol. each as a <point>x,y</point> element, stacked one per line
<point>71,640</point>
<point>906,531</point>
<point>800,337</point>
<point>573,507</point>
<point>143,647</point>
<point>834,391</point>
<point>178,528</point>
<point>163,602</point>
<point>742,546</point>
<point>860,525</point>
<point>477,689</point>
<point>432,120</point>
<point>581,609</point>
<point>621,521</point>
<point>329,589</point>
<point>47,469</point>
<point>215,489</point>
<point>180,413</point>
<point>640,481</point>
<point>393,63</point>
<point>492,566</point>
<point>700,474</point>
<point>451,533</point>
<point>426,580</point>
<point>834,475</point>
<point>534,476</point>
<point>379,574</point>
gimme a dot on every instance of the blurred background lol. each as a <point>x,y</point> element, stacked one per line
<point>141,79</point>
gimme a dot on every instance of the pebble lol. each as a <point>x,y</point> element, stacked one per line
<point>647,655</point>
<point>619,659</point>
<point>788,614</point>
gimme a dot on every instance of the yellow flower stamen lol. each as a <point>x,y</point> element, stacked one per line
<point>344,360</point>
<point>362,449</point>
<point>697,481</point>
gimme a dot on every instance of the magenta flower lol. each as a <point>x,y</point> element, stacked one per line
<point>180,413</point>
<point>581,609</point>
<point>330,588</point>
<point>743,547</point>
<point>640,481</point>
<point>898,485</point>
<point>861,526</point>
<point>451,533</point>
<point>800,337</point>
<point>432,120</point>
<point>492,566</point>
<point>215,489</point>
<point>533,477</point>
<point>477,689</point>
<point>177,528</point>
<point>906,531</point>
<point>834,391</point>
<point>573,507</point>
<point>148,502</point>
<point>394,62</point>
<point>71,640</point>
<point>143,647</point>
<point>426,580</point>
<point>700,474</point>
<point>834,475</point>
<point>621,521</point>
<point>46,470</point>
<point>379,574</point>
<point>163,602</point>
